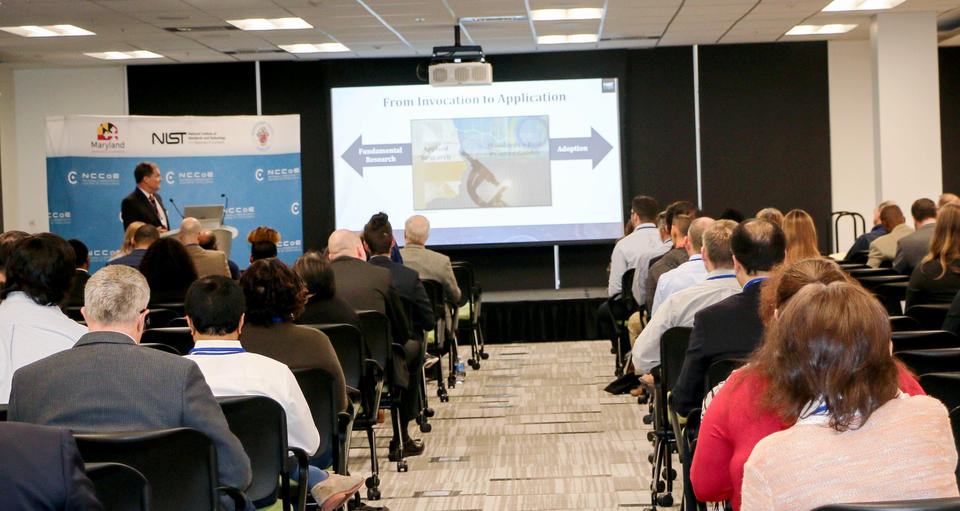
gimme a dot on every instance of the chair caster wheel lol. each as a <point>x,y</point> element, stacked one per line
<point>426,427</point>
<point>373,482</point>
<point>402,466</point>
<point>474,364</point>
<point>444,398</point>
<point>661,486</point>
<point>642,400</point>
<point>373,494</point>
<point>665,500</point>
<point>650,457</point>
<point>451,382</point>
<point>648,419</point>
<point>671,475</point>
<point>429,412</point>
<point>484,355</point>
<point>651,436</point>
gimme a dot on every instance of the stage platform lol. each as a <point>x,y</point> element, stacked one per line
<point>541,315</point>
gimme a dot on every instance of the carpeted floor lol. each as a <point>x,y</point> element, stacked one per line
<point>531,429</point>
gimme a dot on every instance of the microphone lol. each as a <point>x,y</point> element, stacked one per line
<point>226,204</point>
<point>177,209</point>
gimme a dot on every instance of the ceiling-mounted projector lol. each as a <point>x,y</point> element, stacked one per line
<point>459,65</point>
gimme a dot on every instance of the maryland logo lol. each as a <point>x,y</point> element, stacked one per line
<point>262,134</point>
<point>107,131</point>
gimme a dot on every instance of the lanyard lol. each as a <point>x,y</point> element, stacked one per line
<point>697,258</point>
<point>715,277</point>
<point>216,351</point>
<point>645,227</point>
<point>754,281</point>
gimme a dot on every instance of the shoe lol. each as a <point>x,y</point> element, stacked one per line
<point>410,448</point>
<point>637,391</point>
<point>429,361</point>
<point>333,491</point>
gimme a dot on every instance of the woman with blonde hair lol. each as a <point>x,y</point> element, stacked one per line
<point>128,234</point>
<point>771,215</point>
<point>801,237</point>
<point>937,278</point>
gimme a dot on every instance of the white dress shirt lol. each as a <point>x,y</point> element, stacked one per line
<point>159,209</point>
<point>687,274</point>
<point>642,265</point>
<point>239,373</point>
<point>29,332</point>
<point>678,310</point>
<point>644,239</point>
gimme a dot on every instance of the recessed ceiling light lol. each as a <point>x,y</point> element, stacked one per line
<point>579,13</point>
<point>314,48</point>
<point>861,5</point>
<point>567,39</point>
<point>47,31</point>
<point>270,24</point>
<point>125,55</point>
<point>820,29</point>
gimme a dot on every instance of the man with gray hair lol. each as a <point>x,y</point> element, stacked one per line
<point>429,264</point>
<point>106,382</point>
<point>207,262</point>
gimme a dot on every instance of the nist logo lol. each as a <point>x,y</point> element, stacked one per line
<point>168,138</point>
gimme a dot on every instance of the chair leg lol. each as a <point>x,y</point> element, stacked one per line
<point>425,410</point>
<point>373,482</point>
<point>397,437</point>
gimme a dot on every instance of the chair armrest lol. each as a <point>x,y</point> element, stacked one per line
<point>238,497</point>
<point>302,478</point>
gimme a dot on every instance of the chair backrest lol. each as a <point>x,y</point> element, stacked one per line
<point>3,413</point>
<point>930,316</point>
<point>945,504</point>
<point>464,273</point>
<point>673,348</point>
<point>261,426</point>
<point>903,324</point>
<point>347,341</point>
<point>719,371</point>
<point>159,318</point>
<point>626,285</point>
<point>924,340</point>
<point>166,348</point>
<point>73,312</point>
<point>178,321</point>
<point>179,463</point>
<point>437,296</point>
<point>870,272</point>
<point>318,387</point>
<point>858,257</point>
<point>176,307</point>
<point>955,424</point>
<point>946,360</point>
<point>943,386</point>
<point>119,487</point>
<point>178,337</point>
<point>375,328</point>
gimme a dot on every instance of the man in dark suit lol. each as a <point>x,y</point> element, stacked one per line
<point>83,271</point>
<point>732,327</point>
<point>368,287</point>
<point>108,383</point>
<point>144,203</point>
<point>912,248</point>
<point>378,240</point>
<point>41,468</point>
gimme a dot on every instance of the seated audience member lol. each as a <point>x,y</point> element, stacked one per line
<point>169,271</point>
<point>644,240</point>
<point>429,264</point>
<point>208,241</point>
<point>207,262</point>
<point>884,248</point>
<point>854,435</point>
<point>800,235</point>
<point>732,214</point>
<point>323,304</point>
<point>912,248</point>
<point>106,382</point>
<point>263,233</point>
<point>214,308</point>
<point>946,198</point>
<point>863,241</point>
<point>128,243</point>
<point>275,296</point>
<point>730,328</point>
<point>679,309</point>
<point>688,273</point>
<point>82,274</point>
<point>377,240</point>
<point>772,215</point>
<point>143,237</point>
<point>675,256</point>
<point>366,286</point>
<point>8,243</point>
<point>262,250</point>
<point>733,422</point>
<point>42,470</point>
<point>937,278</point>
<point>395,254</point>
<point>39,275</point>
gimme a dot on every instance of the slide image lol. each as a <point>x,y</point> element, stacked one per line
<point>481,162</point>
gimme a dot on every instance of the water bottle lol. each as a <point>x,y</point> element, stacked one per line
<point>461,370</point>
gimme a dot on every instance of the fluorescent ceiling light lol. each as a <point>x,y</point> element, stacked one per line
<point>125,55</point>
<point>861,5</point>
<point>579,13</point>
<point>314,48</point>
<point>567,39</point>
<point>820,29</point>
<point>47,31</point>
<point>270,24</point>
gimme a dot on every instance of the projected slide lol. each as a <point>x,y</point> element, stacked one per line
<point>492,164</point>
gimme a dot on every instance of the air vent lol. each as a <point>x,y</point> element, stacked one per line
<point>211,28</point>
<point>252,52</point>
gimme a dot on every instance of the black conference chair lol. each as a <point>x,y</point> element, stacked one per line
<point>719,371</point>
<point>73,312</point>
<point>946,360</point>
<point>666,423</point>
<point>179,338</point>
<point>176,307</point>
<point>261,426</point>
<point>438,301</point>
<point>930,316</point>
<point>166,348</point>
<point>3,413</point>
<point>903,324</point>
<point>945,504</point>
<point>924,340</point>
<point>891,294</point>
<point>318,387</point>
<point>471,294</point>
<point>859,273</point>
<point>179,463</point>
<point>620,307</point>
<point>424,411</point>
<point>119,487</point>
<point>872,282</point>
<point>159,318</point>
<point>943,386</point>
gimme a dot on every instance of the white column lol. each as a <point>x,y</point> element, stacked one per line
<point>906,103</point>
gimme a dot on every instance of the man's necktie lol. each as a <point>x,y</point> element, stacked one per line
<point>156,209</point>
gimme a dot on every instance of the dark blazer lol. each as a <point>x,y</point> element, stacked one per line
<point>298,347</point>
<point>132,259</point>
<point>136,208</point>
<point>912,248</point>
<point>730,328</point>
<point>926,287</point>
<point>409,287</point>
<point>106,382</point>
<point>76,291</point>
<point>365,286</point>
<point>331,310</point>
<point>41,470</point>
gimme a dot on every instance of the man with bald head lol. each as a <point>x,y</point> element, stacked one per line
<point>884,248</point>
<point>207,262</point>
